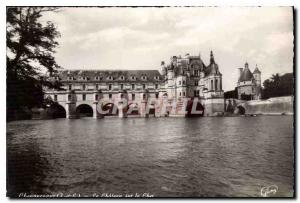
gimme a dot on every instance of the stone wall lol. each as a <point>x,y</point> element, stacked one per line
<point>271,106</point>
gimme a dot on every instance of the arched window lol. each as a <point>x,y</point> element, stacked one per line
<point>216,84</point>
<point>212,84</point>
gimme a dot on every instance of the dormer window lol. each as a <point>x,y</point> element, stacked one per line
<point>97,78</point>
<point>110,78</point>
<point>132,77</point>
<point>144,77</point>
<point>122,78</point>
<point>156,77</point>
<point>83,78</point>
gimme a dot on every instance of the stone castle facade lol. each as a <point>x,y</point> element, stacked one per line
<point>182,78</point>
<point>249,83</point>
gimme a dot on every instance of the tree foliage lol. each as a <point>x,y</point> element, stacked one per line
<point>278,86</point>
<point>30,48</point>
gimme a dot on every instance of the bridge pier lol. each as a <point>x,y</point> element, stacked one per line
<point>143,109</point>
<point>97,96</point>
<point>71,105</point>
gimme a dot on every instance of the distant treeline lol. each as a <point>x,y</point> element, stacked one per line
<point>276,86</point>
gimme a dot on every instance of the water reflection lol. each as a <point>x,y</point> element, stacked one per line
<point>233,156</point>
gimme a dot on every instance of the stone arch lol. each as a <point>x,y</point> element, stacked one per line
<point>57,111</point>
<point>133,109</point>
<point>241,110</point>
<point>111,108</point>
<point>199,107</point>
<point>84,110</point>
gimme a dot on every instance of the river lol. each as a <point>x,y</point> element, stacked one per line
<point>160,157</point>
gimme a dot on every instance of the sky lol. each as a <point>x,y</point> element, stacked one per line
<point>140,38</point>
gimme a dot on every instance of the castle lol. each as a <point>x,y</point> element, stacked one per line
<point>182,78</point>
<point>249,84</point>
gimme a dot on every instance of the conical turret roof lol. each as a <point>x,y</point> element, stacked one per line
<point>246,74</point>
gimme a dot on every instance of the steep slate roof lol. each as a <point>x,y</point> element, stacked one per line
<point>256,70</point>
<point>116,74</point>
<point>246,75</point>
<point>212,68</point>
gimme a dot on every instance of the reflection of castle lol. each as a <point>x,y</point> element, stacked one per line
<point>249,84</point>
<point>183,77</point>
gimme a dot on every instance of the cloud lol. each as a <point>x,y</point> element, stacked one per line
<point>139,38</point>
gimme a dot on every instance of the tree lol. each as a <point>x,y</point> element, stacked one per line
<point>30,48</point>
<point>278,86</point>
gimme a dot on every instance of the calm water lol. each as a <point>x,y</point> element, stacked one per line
<point>177,157</point>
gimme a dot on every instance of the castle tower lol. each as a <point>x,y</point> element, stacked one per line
<point>257,76</point>
<point>214,97</point>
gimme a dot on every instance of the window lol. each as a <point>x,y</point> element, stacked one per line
<point>83,87</point>
<point>144,96</point>
<point>156,86</point>
<point>216,84</point>
<point>96,97</point>
<point>97,86</point>
<point>183,82</point>
<point>83,97</point>
<point>110,78</point>
<point>70,87</point>
<point>122,86</point>
<point>121,96</point>
<point>133,97</point>
<point>132,77</point>
<point>156,95</point>
<point>212,84</point>
<point>196,83</point>
<point>55,97</point>
<point>180,94</point>
<point>179,82</point>
<point>184,94</point>
<point>69,97</point>
<point>122,77</point>
<point>109,96</point>
<point>132,86</point>
<point>144,86</point>
<point>109,86</point>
